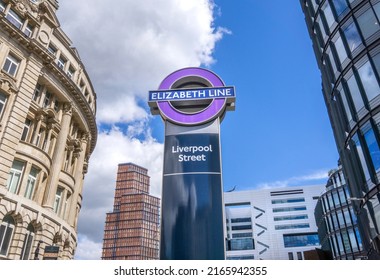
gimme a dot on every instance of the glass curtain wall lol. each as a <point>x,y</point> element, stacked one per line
<point>346,39</point>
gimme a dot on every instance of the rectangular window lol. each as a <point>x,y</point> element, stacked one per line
<point>52,49</point>
<point>37,92</point>
<point>290,256</point>
<point>243,227</point>
<point>11,65</point>
<point>292,226</point>
<point>25,130</point>
<point>28,241</point>
<point>61,62</point>
<point>299,255</point>
<point>6,232</point>
<point>58,200</point>
<point>368,23</point>
<point>340,6</point>
<point>340,49</point>
<point>70,72</point>
<point>355,93</point>
<point>241,244</point>
<point>288,200</point>
<point>47,99</point>
<point>56,105</point>
<point>14,177</point>
<point>3,99</point>
<point>28,30</point>
<point>286,209</point>
<point>373,148</point>
<point>14,18</point>
<point>38,136</point>
<point>352,37</point>
<point>345,105</point>
<point>30,185</point>
<point>2,6</point>
<point>241,220</point>
<point>369,81</point>
<point>328,14</point>
<point>288,218</point>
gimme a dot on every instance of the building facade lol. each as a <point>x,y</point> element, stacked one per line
<point>346,42</point>
<point>132,228</point>
<point>271,224</point>
<point>47,132</point>
<point>337,222</point>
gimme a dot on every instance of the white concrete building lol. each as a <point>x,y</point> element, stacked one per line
<point>271,224</point>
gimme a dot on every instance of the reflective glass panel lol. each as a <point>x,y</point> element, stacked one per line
<point>377,9</point>
<point>340,244</point>
<point>369,81</point>
<point>342,196</point>
<point>322,29</point>
<point>359,149</point>
<point>345,105</point>
<point>346,242</point>
<point>347,217</point>
<point>357,234</point>
<point>336,198</point>
<point>301,240</point>
<point>355,93</point>
<point>340,218</point>
<point>373,148</point>
<point>241,244</point>
<point>352,37</point>
<point>328,14</point>
<point>340,6</point>
<point>354,243</point>
<point>342,54</point>
<point>368,23</point>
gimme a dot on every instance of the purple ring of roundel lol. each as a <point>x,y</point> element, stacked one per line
<point>208,114</point>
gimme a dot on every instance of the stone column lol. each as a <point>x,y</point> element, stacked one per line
<point>24,181</point>
<point>78,176</point>
<point>48,137</point>
<point>37,129</point>
<point>58,157</point>
<point>70,151</point>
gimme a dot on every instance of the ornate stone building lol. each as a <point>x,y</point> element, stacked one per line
<point>47,132</point>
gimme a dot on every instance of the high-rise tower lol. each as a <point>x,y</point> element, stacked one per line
<point>346,41</point>
<point>132,228</point>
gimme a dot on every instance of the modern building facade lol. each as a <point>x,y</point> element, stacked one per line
<point>271,224</point>
<point>47,132</point>
<point>337,222</point>
<point>346,42</point>
<point>132,228</point>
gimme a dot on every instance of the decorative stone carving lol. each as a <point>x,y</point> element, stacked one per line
<point>44,37</point>
<point>68,108</point>
<point>7,84</point>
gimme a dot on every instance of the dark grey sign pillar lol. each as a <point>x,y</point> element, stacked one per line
<point>192,190</point>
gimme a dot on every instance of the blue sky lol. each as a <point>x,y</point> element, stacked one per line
<point>279,134</point>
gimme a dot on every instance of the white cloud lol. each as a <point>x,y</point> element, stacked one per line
<point>316,176</point>
<point>128,47</point>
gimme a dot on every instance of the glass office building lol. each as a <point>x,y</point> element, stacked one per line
<point>337,221</point>
<point>346,42</point>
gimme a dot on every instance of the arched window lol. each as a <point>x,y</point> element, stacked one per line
<point>6,232</point>
<point>28,242</point>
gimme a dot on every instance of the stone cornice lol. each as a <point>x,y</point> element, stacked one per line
<point>33,46</point>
